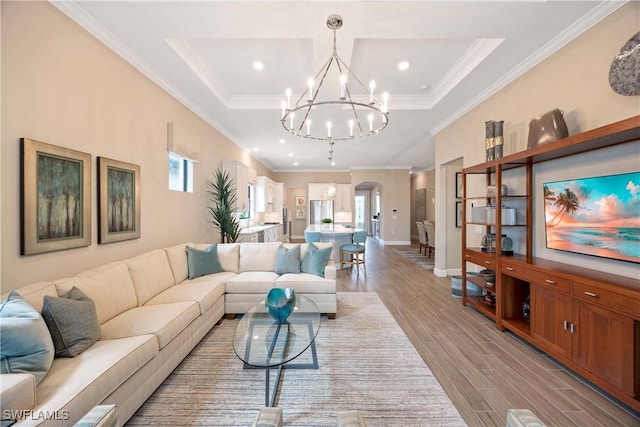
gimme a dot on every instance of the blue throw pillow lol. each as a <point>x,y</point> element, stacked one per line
<point>25,342</point>
<point>288,260</point>
<point>315,260</point>
<point>73,322</point>
<point>203,262</point>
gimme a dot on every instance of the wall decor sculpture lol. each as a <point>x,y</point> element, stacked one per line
<point>118,201</point>
<point>55,197</point>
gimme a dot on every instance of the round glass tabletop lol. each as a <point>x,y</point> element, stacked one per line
<point>261,341</point>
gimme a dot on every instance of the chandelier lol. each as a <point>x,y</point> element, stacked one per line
<point>333,112</point>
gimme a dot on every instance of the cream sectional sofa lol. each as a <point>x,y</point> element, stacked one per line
<point>151,317</point>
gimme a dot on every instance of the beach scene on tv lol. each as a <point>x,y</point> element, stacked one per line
<point>597,216</point>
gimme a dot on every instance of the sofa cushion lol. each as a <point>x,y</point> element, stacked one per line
<point>252,282</point>
<point>165,321</point>
<point>315,260</point>
<point>25,342</point>
<point>76,384</point>
<point>203,261</point>
<point>109,286</point>
<point>177,257</point>
<point>258,256</point>
<point>204,290</point>
<point>151,274</point>
<point>72,321</point>
<point>307,283</point>
<point>33,293</point>
<point>17,392</point>
<point>288,260</point>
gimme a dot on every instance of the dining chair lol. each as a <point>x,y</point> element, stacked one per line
<point>422,237</point>
<point>430,231</point>
<point>353,253</point>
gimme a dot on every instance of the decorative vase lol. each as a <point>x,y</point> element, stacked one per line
<point>280,302</point>
<point>489,141</point>
<point>498,138</point>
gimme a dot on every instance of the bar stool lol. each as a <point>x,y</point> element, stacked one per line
<point>354,251</point>
<point>312,236</point>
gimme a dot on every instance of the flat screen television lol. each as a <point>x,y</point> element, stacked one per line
<point>597,216</point>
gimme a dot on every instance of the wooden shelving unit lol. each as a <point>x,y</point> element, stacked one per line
<point>573,311</point>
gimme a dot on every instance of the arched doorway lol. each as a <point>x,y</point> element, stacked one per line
<point>368,205</point>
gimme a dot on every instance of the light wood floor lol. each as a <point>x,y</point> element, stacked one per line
<point>484,371</point>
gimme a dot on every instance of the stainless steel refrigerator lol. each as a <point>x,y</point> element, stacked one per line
<point>319,209</point>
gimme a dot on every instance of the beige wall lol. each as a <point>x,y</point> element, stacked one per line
<point>63,87</point>
<point>574,79</point>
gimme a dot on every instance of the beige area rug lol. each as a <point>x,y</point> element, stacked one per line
<point>413,255</point>
<point>366,363</point>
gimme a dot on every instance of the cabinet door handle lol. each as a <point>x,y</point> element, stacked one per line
<point>591,294</point>
<point>511,269</point>
<point>572,328</point>
<point>549,281</point>
<point>565,325</point>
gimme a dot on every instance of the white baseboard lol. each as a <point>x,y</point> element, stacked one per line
<point>440,273</point>
<point>395,242</point>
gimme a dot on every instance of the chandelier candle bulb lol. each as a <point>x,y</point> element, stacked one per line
<point>351,128</point>
<point>291,117</point>
<point>288,93</point>
<point>308,127</point>
<point>310,84</point>
<point>372,86</point>
<point>385,106</point>
<point>328,129</point>
<point>343,86</point>
<point>370,117</point>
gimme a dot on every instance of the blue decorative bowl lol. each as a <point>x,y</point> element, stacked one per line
<point>280,302</point>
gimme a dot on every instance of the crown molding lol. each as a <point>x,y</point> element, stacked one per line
<point>598,13</point>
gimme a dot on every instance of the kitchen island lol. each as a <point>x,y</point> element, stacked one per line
<point>336,234</point>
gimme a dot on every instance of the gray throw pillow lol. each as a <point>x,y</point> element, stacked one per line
<point>73,322</point>
<point>288,260</point>
<point>203,262</point>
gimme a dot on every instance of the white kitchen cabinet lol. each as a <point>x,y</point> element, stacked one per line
<point>239,173</point>
<point>318,191</point>
<point>343,198</point>
<point>265,190</point>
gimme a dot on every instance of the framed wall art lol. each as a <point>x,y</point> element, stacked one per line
<point>459,185</point>
<point>55,195</point>
<point>459,214</point>
<point>301,213</point>
<point>301,201</point>
<point>118,201</point>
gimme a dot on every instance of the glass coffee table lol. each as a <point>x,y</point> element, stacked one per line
<point>261,342</point>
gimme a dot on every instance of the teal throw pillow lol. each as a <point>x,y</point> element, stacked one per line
<point>288,260</point>
<point>203,262</point>
<point>25,342</point>
<point>315,260</point>
<point>73,322</point>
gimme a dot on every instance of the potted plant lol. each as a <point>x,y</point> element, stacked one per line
<point>327,220</point>
<point>222,193</point>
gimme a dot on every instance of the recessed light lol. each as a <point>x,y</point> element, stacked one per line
<point>404,65</point>
<point>282,141</point>
<point>257,65</point>
<point>256,149</point>
<point>290,154</point>
<point>295,163</point>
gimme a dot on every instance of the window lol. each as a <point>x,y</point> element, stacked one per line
<point>180,173</point>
